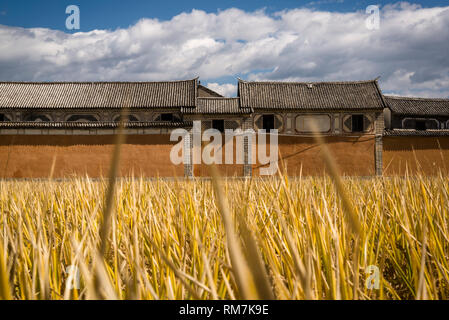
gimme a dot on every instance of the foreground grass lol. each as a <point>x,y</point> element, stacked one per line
<point>282,238</point>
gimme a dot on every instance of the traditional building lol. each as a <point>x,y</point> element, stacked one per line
<point>67,129</point>
<point>416,136</point>
<point>421,114</point>
<point>348,114</point>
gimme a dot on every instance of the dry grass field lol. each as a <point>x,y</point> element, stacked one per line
<point>276,238</point>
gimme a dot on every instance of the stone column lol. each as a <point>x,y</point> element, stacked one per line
<point>379,129</point>
<point>188,147</point>
<point>247,149</point>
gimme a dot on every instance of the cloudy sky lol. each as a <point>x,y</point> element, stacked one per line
<point>321,40</point>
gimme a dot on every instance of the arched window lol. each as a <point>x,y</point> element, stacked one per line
<point>4,117</point>
<point>131,118</point>
<point>37,117</point>
<point>268,122</point>
<point>420,124</point>
<point>82,118</point>
<point>167,117</point>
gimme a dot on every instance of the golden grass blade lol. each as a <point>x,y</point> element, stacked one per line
<point>422,292</point>
<point>301,271</point>
<point>113,170</point>
<point>336,178</point>
<point>240,268</point>
<point>179,274</point>
<point>252,254</point>
<point>52,168</point>
<point>5,288</point>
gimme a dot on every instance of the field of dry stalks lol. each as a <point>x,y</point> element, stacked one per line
<point>274,238</point>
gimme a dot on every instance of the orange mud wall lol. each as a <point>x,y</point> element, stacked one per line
<point>228,170</point>
<point>31,156</point>
<point>427,155</point>
<point>354,156</point>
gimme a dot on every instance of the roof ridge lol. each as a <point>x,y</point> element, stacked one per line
<point>88,122</point>
<point>219,98</point>
<point>307,82</point>
<point>93,82</point>
<point>416,98</point>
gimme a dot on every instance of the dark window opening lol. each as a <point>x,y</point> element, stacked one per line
<point>130,117</point>
<point>268,122</point>
<point>218,125</point>
<point>167,117</point>
<point>420,125</point>
<point>37,118</point>
<point>82,118</point>
<point>357,123</point>
<point>4,118</point>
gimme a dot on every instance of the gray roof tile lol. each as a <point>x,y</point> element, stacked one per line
<point>217,106</point>
<point>50,95</point>
<point>420,133</point>
<point>354,95</point>
<point>90,125</point>
<point>418,106</point>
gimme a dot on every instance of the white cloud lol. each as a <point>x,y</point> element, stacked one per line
<point>409,52</point>
<point>226,89</point>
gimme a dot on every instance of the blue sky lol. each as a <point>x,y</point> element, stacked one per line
<point>282,40</point>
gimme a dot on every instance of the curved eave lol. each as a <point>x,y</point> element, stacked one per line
<point>90,125</point>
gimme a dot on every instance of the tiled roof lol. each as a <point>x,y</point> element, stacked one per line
<point>217,106</point>
<point>50,95</point>
<point>418,106</point>
<point>411,132</point>
<point>90,125</point>
<point>311,95</point>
